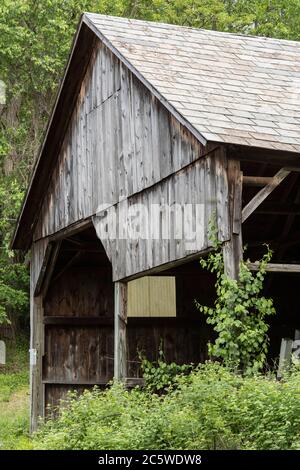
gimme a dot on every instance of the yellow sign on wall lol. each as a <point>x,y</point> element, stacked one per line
<point>152,296</point>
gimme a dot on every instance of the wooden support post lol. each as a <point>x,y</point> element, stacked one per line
<point>232,249</point>
<point>36,360</point>
<point>120,337</point>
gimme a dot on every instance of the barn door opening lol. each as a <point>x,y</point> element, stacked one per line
<point>78,319</point>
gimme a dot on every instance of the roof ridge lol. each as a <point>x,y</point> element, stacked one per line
<point>192,28</point>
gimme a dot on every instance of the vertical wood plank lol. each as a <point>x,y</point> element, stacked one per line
<point>36,360</point>
<point>120,342</point>
<point>233,249</point>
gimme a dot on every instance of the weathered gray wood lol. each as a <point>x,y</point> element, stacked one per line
<point>296,169</point>
<point>36,358</point>
<point>223,197</point>
<point>285,356</point>
<point>39,251</point>
<point>120,341</point>
<point>49,268</point>
<point>257,180</point>
<point>264,193</point>
<point>237,205</point>
<point>119,141</point>
<point>232,249</point>
<point>2,353</point>
<point>37,262</point>
<point>43,270</point>
<point>193,189</point>
<point>277,267</point>
<point>123,147</point>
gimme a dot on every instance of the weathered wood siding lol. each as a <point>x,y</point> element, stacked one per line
<point>123,147</point>
<point>197,186</point>
<point>79,340</point>
<point>38,251</point>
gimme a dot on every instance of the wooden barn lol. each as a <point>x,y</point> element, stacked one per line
<point>149,118</point>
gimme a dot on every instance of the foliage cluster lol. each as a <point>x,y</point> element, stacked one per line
<point>240,312</point>
<point>212,408</point>
<point>160,376</point>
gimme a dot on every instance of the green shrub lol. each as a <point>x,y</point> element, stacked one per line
<point>212,408</point>
<point>160,376</point>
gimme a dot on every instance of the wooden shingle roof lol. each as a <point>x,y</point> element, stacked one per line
<point>231,88</point>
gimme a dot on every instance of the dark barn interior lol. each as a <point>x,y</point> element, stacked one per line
<point>276,223</point>
<point>79,320</point>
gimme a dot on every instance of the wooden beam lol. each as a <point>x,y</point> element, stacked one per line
<point>133,322</point>
<point>264,193</point>
<point>265,156</point>
<point>44,268</point>
<point>277,267</point>
<point>256,180</point>
<point>78,321</point>
<point>120,337</point>
<point>72,229</point>
<point>232,249</point>
<point>296,169</point>
<point>50,268</point>
<point>89,382</point>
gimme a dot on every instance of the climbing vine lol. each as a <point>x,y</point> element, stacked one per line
<point>239,314</point>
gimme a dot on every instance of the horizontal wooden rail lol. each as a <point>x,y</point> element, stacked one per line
<point>132,321</point>
<point>129,382</point>
<point>79,382</point>
<point>78,321</point>
<point>277,267</point>
<point>257,180</point>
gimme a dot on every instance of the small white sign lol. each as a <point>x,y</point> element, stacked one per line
<point>2,353</point>
<point>32,357</point>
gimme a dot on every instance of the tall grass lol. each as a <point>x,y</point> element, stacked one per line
<point>14,397</point>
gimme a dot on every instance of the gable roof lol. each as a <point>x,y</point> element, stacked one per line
<point>232,88</point>
<point>223,87</point>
